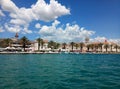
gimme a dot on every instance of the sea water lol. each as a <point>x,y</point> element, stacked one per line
<point>59,71</point>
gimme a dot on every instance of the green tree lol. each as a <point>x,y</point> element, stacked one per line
<point>42,43</point>
<point>88,47</point>
<point>106,46</point>
<point>81,46</point>
<point>64,45</point>
<point>39,40</point>
<point>51,44</point>
<point>57,45</point>
<point>72,45</point>
<point>119,48</point>
<point>116,47</point>
<point>96,47</point>
<point>5,42</point>
<point>111,45</point>
<point>76,45</point>
<point>24,41</point>
<point>92,46</point>
<point>100,46</point>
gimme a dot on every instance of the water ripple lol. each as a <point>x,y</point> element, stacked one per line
<point>60,71</point>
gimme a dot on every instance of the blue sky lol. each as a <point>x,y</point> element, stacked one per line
<point>97,19</point>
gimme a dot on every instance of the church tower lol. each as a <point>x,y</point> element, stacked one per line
<point>16,36</point>
<point>87,40</point>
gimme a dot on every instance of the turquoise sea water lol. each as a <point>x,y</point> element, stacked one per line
<point>60,71</point>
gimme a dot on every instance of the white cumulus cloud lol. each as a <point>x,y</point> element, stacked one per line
<point>9,6</point>
<point>1,29</point>
<point>17,29</point>
<point>47,12</point>
<point>37,26</point>
<point>1,13</point>
<point>13,29</point>
<point>98,39</point>
<point>117,41</point>
<point>41,11</point>
<point>67,34</point>
<point>26,30</point>
<point>102,39</point>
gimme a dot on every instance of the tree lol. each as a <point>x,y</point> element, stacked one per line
<point>100,46</point>
<point>111,45</point>
<point>76,45</point>
<point>57,45</point>
<point>72,45</point>
<point>42,43</point>
<point>116,47</point>
<point>106,46</point>
<point>96,47</point>
<point>51,44</point>
<point>88,47</point>
<point>64,45</point>
<point>39,40</point>
<point>92,46</point>
<point>81,46</point>
<point>5,42</point>
<point>119,48</point>
<point>24,41</point>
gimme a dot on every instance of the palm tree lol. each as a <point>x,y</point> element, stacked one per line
<point>72,45</point>
<point>88,47</point>
<point>7,42</point>
<point>92,46</point>
<point>39,40</point>
<point>106,46</point>
<point>111,45</point>
<point>81,46</point>
<point>96,47</point>
<point>100,46</point>
<point>64,45</point>
<point>42,43</point>
<point>57,45</point>
<point>24,41</point>
<point>51,44</point>
<point>119,48</point>
<point>116,47</point>
<point>76,45</point>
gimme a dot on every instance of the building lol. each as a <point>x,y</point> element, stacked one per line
<point>16,46</point>
<point>43,46</point>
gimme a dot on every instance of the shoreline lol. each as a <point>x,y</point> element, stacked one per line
<point>57,53</point>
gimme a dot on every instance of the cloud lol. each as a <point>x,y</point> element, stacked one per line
<point>13,29</point>
<point>40,11</point>
<point>1,29</point>
<point>17,29</point>
<point>26,30</point>
<point>117,41</point>
<point>98,39</point>
<point>102,39</point>
<point>1,13</point>
<point>56,22</point>
<point>37,26</point>
<point>50,11</point>
<point>9,6</point>
<point>67,34</point>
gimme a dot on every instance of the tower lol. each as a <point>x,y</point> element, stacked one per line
<point>87,40</point>
<point>16,36</point>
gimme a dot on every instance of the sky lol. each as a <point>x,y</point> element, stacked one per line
<point>61,20</point>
